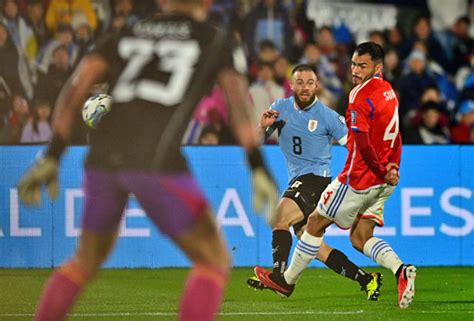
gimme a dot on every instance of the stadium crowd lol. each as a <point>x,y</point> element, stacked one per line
<point>432,71</point>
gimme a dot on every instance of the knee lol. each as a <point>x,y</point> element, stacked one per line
<point>315,225</point>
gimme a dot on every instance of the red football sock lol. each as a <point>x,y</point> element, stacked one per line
<point>203,293</point>
<point>61,292</point>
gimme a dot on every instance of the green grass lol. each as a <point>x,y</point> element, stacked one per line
<point>442,294</point>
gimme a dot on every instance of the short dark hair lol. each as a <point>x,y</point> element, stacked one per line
<point>375,51</point>
<point>304,67</point>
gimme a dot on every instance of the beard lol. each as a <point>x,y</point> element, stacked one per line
<point>303,104</point>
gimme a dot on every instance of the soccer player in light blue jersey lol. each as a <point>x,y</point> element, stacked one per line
<point>306,129</point>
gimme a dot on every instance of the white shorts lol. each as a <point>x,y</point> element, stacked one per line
<point>343,205</point>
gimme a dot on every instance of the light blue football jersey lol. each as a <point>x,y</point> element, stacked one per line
<point>305,136</point>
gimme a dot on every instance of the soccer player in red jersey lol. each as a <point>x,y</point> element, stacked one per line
<point>158,70</point>
<point>355,200</point>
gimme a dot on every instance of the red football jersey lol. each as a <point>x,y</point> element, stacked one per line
<point>373,108</point>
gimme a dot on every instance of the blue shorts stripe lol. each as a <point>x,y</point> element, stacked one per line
<point>335,197</point>
<point>339,201</point>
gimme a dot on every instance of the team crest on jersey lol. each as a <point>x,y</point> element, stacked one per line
<point>312,125</point>
<point>353,117</point>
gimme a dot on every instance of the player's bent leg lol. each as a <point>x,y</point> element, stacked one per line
<point>373,247</point>
<point>66,283</point>
<point>308,247</point>
<point>337,261</point>
<point>289,213</point>
<point>204,288</point>
<point>381,252</point>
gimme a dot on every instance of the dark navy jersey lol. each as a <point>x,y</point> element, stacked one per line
<point>153,68</point>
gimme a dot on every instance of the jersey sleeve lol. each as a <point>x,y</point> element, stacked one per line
<point>337,125</point>
<point>362,111</point>
<point>276,105</point>
<point>106,46</point>
<point>233,55</point>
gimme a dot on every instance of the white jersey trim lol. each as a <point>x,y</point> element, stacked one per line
<point>356,90</point>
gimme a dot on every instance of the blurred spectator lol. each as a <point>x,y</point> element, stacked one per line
<point>396,39</point>
<point>214,101</point>
<point>50,83</point>
<point>16,119</point>
<point>122,14</point>
<point>21,34</point>
<point>392,69</point>
<point>9,72</point>
<point>378,37</point>
<point>444,13</point>
<point>282,71</point>
<point>411,85</point>
<point>463,132</point>
<point>443,80</point>
<point>38,129</point>
<point>457,44</point>
<point>429,129</point>
<point>224,12</point>
<point>103,10</point>
<point>221,128</point>
<point>329,80</point>
<point>35,20</point>
<point>64,37</point>
<point>66,11</point>
<point>264,91</point>
<point>83,38</point>
<point>5,103</point>
<point>336,54</point>
<point>422,32</point>
<point>209,136</point>
<point>267,53</point>
<point>269,20</point>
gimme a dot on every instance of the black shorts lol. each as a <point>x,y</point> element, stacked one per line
<point>306,190</point>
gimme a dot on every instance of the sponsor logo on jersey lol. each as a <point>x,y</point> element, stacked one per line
<point>312,125</point>
<point>353,117</point>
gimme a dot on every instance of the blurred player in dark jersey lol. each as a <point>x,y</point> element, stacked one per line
<point>355,200</point>
<point>158,71</point>
<point>306,130</point>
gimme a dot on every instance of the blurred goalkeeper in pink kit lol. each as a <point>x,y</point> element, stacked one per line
<point>158,70</point>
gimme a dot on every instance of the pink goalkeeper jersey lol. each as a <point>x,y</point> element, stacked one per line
<point>373,108</point>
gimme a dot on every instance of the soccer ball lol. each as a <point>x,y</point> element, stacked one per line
<point>95,108</point>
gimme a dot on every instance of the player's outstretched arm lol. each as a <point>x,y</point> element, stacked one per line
<point>91,70</point>
<point>235,88</point>
<point>45,170</point>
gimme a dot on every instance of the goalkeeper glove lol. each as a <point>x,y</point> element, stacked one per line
<point>43,172</point>
<point>264,189</point>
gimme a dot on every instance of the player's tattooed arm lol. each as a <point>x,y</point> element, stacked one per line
<point>235,89</point>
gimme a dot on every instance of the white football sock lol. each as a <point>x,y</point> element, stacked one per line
<point>306,250</point>
<point>382,253</point>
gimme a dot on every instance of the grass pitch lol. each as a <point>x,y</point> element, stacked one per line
<point>134,295</point>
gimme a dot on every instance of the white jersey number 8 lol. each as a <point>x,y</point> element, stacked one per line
<point>176,57</point>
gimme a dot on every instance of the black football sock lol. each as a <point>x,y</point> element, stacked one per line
<point>281,246</point>
<point>339,263</point>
